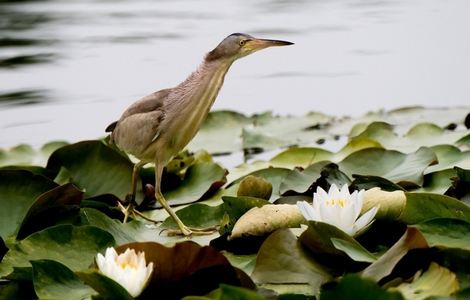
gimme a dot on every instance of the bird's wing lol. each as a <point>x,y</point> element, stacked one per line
<point>152,102</point>
<point>139,125</point>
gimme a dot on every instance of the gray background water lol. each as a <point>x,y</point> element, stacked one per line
<point>68,68</point>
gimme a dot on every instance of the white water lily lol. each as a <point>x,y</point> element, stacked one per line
<point>338,208</point>
<point>128,269</point>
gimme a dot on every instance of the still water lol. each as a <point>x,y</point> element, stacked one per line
<point>69,68</point>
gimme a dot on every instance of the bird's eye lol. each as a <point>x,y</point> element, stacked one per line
<point>241,42</point>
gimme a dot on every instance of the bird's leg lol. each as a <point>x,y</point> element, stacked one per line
<point>130,198</point>
<point>158,194</point>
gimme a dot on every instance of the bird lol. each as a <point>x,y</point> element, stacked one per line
<point>157,127</point>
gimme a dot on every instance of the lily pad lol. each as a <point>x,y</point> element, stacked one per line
<point>448,233</point>
<point>197,215</point>
<point>282,259</point>
<point>391,165</point>
<point>25,155</point>
<point>300,157</point>
<point>198,180</point>
<point>49,208</point>
<point>437,206</point>
<point>94,167</point>
<point>53,280</point>
<point>107,288</point>
<point>353,287</point>
<point>18,191</point>
<point>186,269</point>
<point>75,247</point>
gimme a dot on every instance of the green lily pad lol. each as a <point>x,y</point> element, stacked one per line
<point>354,250</point>
<point>412,239</point>
<point>52,280</point>
<point>420,135</point>
<point>353,287</point>
<point>391,165</point>
<point>300,181</point>
<point>300,157</point>
<point>232,292</point>
<point>220,132</point>
<point>18,191</point>
<point>325,239</point>
<point>26,155</point>
<point>107,288</point>
<point>197,215</point>
<point>72,246</point>
<point>448,233</point>
<point>282,260</point>
<point>437,182</point>
<point>437,206</point>
<point>49,208</point>
<point>94,167</point>
<point>448,157</point>
<point>198,180</point>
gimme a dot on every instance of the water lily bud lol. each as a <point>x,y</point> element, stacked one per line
<point>254,186</point>
<point>129,269</point>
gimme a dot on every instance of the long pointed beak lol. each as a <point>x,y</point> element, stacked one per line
<point>258,44</point>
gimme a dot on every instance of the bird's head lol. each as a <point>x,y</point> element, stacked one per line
<point>238,45</point>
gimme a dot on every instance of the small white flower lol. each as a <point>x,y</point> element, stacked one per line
<point>338,208</point>
<point>128,269</point>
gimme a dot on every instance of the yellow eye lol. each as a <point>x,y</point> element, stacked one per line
<point>241,42</point>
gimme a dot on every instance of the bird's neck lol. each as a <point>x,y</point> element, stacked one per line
<point>203,85</point>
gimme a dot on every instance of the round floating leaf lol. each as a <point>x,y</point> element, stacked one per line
<point>232,292</point>
<point>94,167</point>
<point>448,233</point>
<point>281,259</point>
<point>186,269</point>
<point>18,191</point>
<point>197,215</point>
<point>300,181</point>
<point>320,238</point>
<point>448,157</point>
<point>354,250</point>
<point>50,207</point>
<point>437,206</point>
<point>391,165</point>
<point>53,280</point>
<point>198,180</point>
<point>72,246</point>
<point>353,287</point>
<point>107,288</point>
<point>300,157</point>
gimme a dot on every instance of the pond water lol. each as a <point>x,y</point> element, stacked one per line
<point>69,68</point>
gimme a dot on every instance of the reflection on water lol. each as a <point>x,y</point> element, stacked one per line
<point>93,58</point>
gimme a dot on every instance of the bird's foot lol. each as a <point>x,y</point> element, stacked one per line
<point>126,210</point>
<point>190,231</point>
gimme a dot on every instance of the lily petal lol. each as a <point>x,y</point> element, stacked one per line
<point>365,219</point>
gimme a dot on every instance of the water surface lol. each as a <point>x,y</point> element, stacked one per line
<point>69,68</point>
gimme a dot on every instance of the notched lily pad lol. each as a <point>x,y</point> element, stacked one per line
<point>52,206</point>
<point>72,246</point>
<point>95,168</point>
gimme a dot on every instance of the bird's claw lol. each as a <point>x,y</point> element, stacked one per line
<point>190,231</point>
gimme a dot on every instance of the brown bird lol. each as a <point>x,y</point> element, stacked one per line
<point>160,125</point>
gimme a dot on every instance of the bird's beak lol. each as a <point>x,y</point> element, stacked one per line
<point>258,44</point>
